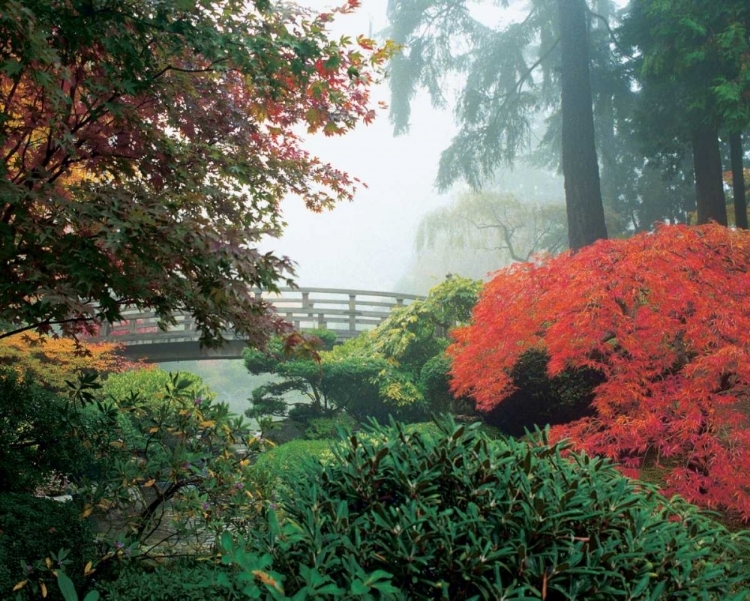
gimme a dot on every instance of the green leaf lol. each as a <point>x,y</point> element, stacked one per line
<point>66,586</point>
<point>359,588</point>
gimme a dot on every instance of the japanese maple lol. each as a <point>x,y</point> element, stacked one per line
<point>53,361</point>
<point>665,318</point>
<point>146,147</point>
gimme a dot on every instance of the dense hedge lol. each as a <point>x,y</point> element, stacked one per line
<point>32,528</point>
<point>457,515</point>
<point>176,581</point>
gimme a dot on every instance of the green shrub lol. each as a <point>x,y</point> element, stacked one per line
<point>36,435</point>
<point>32,529</point>
<point>152,385</point>
<point>460,516</point>
<point>327,338</point>
<point>539,400</point>
<point>292,460</point>
<point>174,581</point>
<point>434,382</point>
<point>322,428</point>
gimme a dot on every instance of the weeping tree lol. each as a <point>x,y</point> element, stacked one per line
<point>511,74</point>
<point>512,230</point>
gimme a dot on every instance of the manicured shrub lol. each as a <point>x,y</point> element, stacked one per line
<point>291,461</point>
<point>32,529</point>
<point>664,319</point>
<point>457,515</point>
<point>323,428</point>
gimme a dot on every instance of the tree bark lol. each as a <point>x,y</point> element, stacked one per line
<point>583,196</point>
<point>738,181</point>
<point>709,184</point>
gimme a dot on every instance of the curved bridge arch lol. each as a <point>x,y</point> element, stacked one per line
<point>345,312</point>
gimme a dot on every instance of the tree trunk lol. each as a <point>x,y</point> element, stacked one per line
<point>709,185</point>
<point>738,181</point>
<point>583,195</point>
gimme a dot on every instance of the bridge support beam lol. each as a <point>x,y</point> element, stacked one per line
<point>163,352</point>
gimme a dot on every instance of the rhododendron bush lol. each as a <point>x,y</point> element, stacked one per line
<point>665,318</point>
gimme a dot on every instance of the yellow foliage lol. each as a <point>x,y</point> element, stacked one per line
<point>51,361</point>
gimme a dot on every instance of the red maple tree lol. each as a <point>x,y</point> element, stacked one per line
<point>665,318</point>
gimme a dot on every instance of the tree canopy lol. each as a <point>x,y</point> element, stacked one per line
<point>691,60</point>
<point>513,230</point>
<point>146,148</point>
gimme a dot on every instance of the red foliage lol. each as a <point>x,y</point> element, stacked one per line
<point>665,317</point>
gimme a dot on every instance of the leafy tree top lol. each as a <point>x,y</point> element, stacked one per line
<point>146,148</point>
<point>512,229</point>
<point>664,318</point>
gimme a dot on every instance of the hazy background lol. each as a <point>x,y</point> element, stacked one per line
<point>368,244</point>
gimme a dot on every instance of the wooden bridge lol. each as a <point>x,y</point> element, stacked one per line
<point>345,312</point>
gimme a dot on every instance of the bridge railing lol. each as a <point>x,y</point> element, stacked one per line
<point>345,312</point>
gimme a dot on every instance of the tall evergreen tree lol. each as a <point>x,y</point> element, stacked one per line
<point>511,76</point>
<point>698,49</point>
<point>738,180</point>
<point>582,189</point>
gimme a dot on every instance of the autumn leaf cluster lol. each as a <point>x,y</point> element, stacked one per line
<point>664,317</point>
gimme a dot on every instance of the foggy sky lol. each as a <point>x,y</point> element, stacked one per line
<point>369,243</point>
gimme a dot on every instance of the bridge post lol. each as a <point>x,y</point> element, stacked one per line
<point>306,304</point>
<point>352,315</point>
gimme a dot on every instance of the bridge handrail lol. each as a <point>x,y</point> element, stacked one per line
<point>396,295</point>
<point>294,304</point>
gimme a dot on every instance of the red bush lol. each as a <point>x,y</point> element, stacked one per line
<point>665,317</point>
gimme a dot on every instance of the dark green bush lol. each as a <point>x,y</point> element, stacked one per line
<point>540,400</point>
<point>36,435</point>
<point>460,516</point>
<point>434,382</point>
<point>33,528</point>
